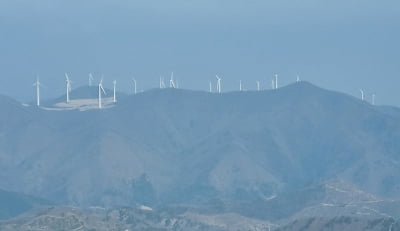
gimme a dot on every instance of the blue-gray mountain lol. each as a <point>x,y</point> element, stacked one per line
<point>171,146</point>
<point>13,204</point>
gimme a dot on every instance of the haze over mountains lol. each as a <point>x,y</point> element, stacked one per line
<point>292,153</point>
<point>325,43</point>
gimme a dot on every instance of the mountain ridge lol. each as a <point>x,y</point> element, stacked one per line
<point>177,146</point>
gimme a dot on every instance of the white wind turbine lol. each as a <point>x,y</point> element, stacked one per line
<point>258,85</point>
<point>162,83</point>
<point>218,83</point>
<point>115,94</point>
<point>240,85</point>
<point>135,86</point>
<point>37,84</point>
<point>68,82</point>
<point>276,81</point>
<point>210,86</point>
<point>171,81</point>
<point>90,79</point>
<point>362,94</point>
<point>101,89</point>
<point>298,78</point>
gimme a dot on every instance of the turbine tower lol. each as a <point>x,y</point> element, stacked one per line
<point>218,83</point>
<point>115,96</point>
<point>171,81</point>
<point>258,85</point>
<point>298,78</point>
<point>210,86</point>
<point>37,84</point>
<point>135,84</point>
<point>101,89</point>
<point>240,85</point>
<point>362,94</point>
<point>68,81</point>
<point>276,81</point>
<point>90,79</point>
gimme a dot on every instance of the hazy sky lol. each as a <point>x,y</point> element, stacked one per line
<point>337,44</point>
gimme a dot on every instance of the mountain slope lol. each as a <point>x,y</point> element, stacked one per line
<point>65,218</point>
<point>342,224</point>
<point>173,146</point>
<point>13,204</point>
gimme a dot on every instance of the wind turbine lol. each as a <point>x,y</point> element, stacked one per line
<point>362,94</point>
<point>134,85</point>
<point>298,78</point>
<point>210,86</point>
<point>90,79</point>
<point>115,96</point>
<point>218,83</point>
<point>68,81</point>
<point>171,81</point>
<point>100,90</point>
<point>37,84</point>
<point>258,85</point>
<point>240,85</point>
<point>162,84</point>
<point>276,81</point>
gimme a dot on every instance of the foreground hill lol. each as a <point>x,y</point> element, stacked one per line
<point>66,218</point>
<point>172,146</point>
<point>342,224</point>
<point>122,219</point>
